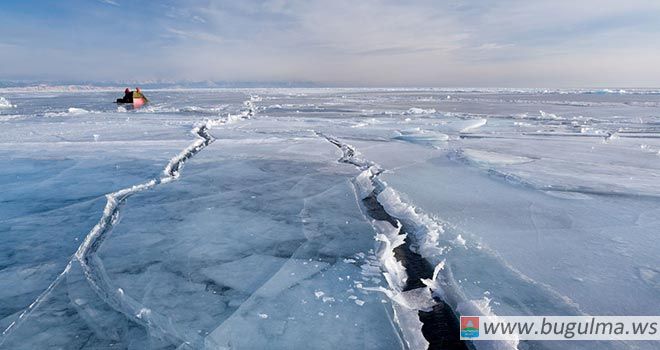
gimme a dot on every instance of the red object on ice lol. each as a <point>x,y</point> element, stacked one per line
<point>138,102</point>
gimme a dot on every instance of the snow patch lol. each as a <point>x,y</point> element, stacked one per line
<point>416,110</point>
<point>5,118</point>
<point>205,110</point>
<point>4,103</point>
<point>550,116</point>
<point>475,124</point>
<point>77,111</point>
<point>144,312</point>
<point>494,158</point>
<point>649,149</point>
<point>422,137</point>
<point>72,111</point>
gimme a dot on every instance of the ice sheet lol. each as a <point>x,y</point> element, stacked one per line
<point>525,201</point>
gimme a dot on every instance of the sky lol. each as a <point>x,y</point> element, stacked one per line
<point>453,43</point>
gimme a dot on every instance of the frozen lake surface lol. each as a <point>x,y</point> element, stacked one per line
<point>322,218</point>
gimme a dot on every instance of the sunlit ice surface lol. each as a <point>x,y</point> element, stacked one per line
<point>245,218</point>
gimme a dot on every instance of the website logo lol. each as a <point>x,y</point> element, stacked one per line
<point>469,326</point>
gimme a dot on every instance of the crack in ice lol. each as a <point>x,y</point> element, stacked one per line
<point>411,278</point>
<point>91,265</point>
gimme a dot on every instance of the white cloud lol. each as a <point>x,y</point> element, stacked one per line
<point>378,42</point>
<point>109,2</point>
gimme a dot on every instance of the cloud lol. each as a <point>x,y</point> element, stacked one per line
<point>109,2</point>
<point>197,36</point>
<point>493,46</point>
<point>368,42</point>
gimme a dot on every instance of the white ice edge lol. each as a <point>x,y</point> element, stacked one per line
<point>405,304</point>
<point>427,234</point>
<point>405,309</point>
